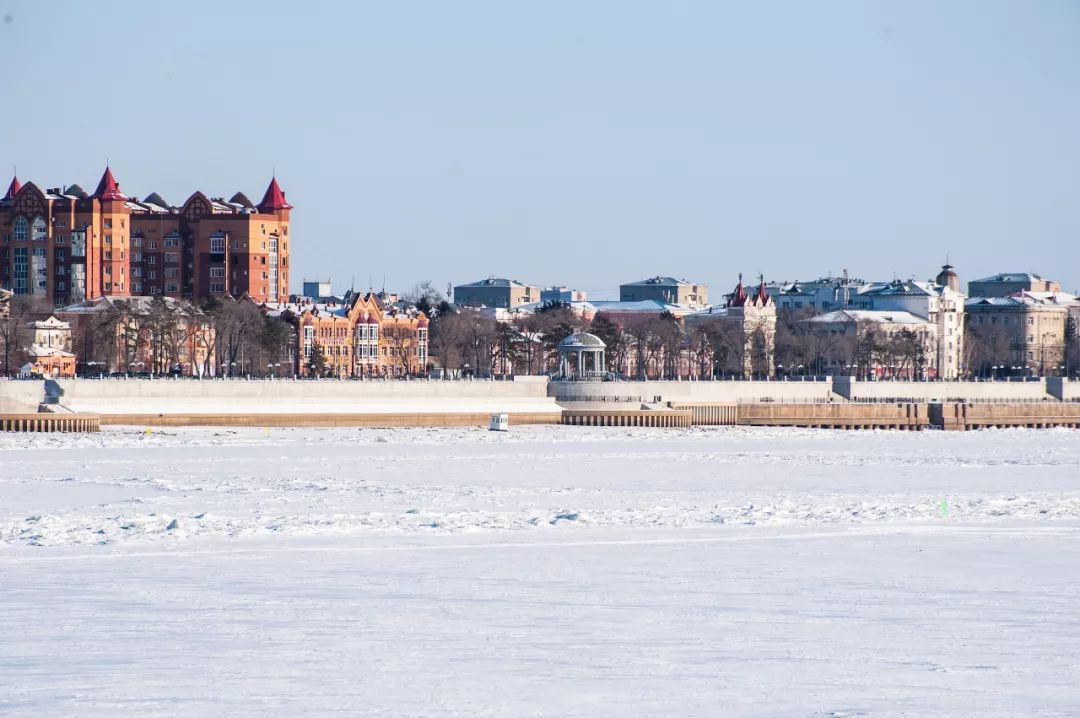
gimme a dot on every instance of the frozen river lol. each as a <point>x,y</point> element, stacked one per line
<point>548,571</point>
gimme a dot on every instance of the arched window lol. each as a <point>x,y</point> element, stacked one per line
<point>21,229</point>
<point>40,234</point>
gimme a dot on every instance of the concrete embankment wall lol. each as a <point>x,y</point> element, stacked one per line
<point>690,391</point>
<point>908,415</point>
<point>139,400</point>
<point>1037,415</point>
<point>940,390</point>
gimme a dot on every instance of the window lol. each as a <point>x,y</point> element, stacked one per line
<point>217,272</point>
<point>78,244</point>
<point>172,259</point>
<point>108,224</point>
<point>136,271</point>
<point>217,243</point>
<point>108,269</point>
<point>61,286</point>
<point>152,259</point>
<point>22,229</point>
<point>136,240</point>
<point>172,272</point>
<point>22,268</point>
<point>172,288</point>
<point>59,270</point>
<point>136,257</point>
<point>137,287</point>
<point>217,286</point>
<point>39,231</point>
<point>172,239</point>
<point>58,239</point>
<point>108,239</point>
<point>153,244</point>
<point>60,224</point>
<point>108,286</point>
<point>153,274</point>
<point>61,255</point>
<point>108,254</point>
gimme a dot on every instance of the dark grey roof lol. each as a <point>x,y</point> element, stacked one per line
<point>155,199</point>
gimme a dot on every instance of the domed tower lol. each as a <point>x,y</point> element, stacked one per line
<point>948,278</point>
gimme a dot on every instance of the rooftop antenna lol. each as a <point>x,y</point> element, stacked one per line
<point>846,295</point>
<point>384,283</point>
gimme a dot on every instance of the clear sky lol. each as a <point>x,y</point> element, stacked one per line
<point>579,143</point>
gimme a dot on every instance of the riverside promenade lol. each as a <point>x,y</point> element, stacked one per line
<point>835,402</point>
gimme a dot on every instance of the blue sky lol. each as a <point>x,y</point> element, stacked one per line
<point>578,143</point>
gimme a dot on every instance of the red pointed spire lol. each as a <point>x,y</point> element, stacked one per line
<point>108,188</point>
<point>738,297</point>
<point>274,199</point>
<point>13,188</point>
<point>762,292</point>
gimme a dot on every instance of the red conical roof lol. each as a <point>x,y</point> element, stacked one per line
<point>274,199</point>
<point>108,188</point>
<point>762,293</point>
<point>738,297</point>
<point>13,188</point>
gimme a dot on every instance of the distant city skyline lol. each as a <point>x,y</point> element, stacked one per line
<point>579,145</point>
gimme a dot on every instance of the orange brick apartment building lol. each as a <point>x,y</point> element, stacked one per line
<point>66,246</point>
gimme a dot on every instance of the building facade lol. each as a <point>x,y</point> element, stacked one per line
<point>562,294</point>
<point>495,292</point>
<point>882,344</point>
<point>67,246</point>
<point>665,289</point>
<point>144,335</point>
<point>360,338</point>
<point>1022,334</point>
<point>1006,283</point>
<point>743,332</point>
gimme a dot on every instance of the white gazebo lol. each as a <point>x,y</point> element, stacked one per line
<point>581,356</point>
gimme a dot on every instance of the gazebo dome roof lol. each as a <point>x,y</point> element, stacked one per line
<point>582,340</point>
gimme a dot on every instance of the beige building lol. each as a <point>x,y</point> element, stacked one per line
<point>665,289</point>
<point>1022,334</point>
<point>742,332</point>
<point>882,344</point>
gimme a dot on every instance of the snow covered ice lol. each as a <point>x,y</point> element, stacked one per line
<point>545,571</point>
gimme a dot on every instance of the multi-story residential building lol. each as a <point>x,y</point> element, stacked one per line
<point>68,246</point>
<point>1006,283</point>
<point>665,289</point>
<point>1025,333</point>
<point>360,337</point>
<point>495,292</point>
<point>562,294</point>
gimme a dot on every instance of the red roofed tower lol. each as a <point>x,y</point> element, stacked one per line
<point>108,246</point>
<point>108,188</point>
<point>274,199</point>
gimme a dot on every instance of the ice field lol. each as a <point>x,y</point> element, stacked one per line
<point>546,571</point>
